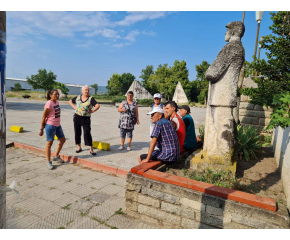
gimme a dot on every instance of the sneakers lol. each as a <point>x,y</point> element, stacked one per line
<point>49,165</point>
<point>58,159</point>
<point>128,149</point>
<point>121,148</point>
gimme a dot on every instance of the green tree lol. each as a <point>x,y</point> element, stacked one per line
<point>114,85</point>
<point>61,86</point>
<point>145,74</point>
<point>161,80</point>
<point>126,81</point>
<point>248,69</point>
<point>96,87</point>
<point>17,87</point>
<point>42,80</point>
<point>275,72</point>
<point>199,87</point>
<point>165,79</point>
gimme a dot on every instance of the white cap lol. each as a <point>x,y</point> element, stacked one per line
<point>156,109</point>
<point>157,95</point>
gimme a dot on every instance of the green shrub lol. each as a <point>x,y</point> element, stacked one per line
<point>201,133</point>
<point>146,102</point>
<point>249,142</point>
<point>118,99</point>
<point>17,87</point>
<point>26,96</point>
<point>103,96</point>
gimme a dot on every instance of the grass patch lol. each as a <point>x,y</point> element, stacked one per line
<point>119,211</point>
<point>61,228</point>
<point>83,214</point>
<point>67,207</point>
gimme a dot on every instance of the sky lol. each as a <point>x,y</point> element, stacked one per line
<point>83,47</point>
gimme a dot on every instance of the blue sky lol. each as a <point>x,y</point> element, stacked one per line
<point>88,47</point>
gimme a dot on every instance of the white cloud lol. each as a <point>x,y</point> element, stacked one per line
<point>119,45</point>
<point>108,33</point>
<point>132,35</point>
<point>134,17</point>
<point>151,33</point>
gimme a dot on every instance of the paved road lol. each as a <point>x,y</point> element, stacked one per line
<point>28,113</point>
<point>67,197</point>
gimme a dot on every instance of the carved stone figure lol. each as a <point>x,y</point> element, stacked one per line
<point>220,127</point>
<point>179,94</point>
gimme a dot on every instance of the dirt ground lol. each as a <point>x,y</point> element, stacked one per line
<point>260,176</point>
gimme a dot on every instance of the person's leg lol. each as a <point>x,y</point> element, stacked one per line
<point>61,137</point>
<point>48,150</point>
<point>129,138</point>
<point>78,131</point>
<point>123,136</point>
<point>86,123</point>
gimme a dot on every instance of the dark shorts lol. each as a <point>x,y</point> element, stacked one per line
<point>154,158</point>
<point>124,131</point>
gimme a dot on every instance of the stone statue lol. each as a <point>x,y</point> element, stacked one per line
<point>220,127</point>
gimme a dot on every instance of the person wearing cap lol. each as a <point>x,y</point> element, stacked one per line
<point>177,122</point>
<point>157,103</point>
<point>129,116</point>
<point>165,137</point>
<point>190,137</point>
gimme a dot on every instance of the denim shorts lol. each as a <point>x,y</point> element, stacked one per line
<point>129,132</point>
<point>51,131</point>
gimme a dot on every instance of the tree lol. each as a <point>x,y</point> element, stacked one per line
<point>275,72</point>
<point>126,81</point>
<point>114,85</point>
<point>199,87</point>
<point>95,86</point>
<point>62,87</point>
<point>17,87</point>
<point>248,69</point>
<point>165,78</point>
<point>42,80</point>
<point>145,74</point>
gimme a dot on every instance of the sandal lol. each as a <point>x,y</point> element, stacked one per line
<point>78,151</point>
<point>93,153</point>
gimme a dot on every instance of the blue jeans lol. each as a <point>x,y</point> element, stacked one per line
<point>51,131</point>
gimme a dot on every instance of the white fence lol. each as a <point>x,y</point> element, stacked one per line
<point>281,148</point>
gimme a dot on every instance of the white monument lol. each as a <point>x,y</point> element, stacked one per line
<point>179,95</point>
<point>139,91</point>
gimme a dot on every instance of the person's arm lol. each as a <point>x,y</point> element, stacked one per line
<point>137,114</point>
<point>120,108</point>
<point>95,104</point>
<point>72,103</point>
<point>186,122</point>
<point>44,116</point>
<point>151,149</point>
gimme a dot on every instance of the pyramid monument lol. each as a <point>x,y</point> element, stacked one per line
<point>179,95</point>
<point>139,91</point>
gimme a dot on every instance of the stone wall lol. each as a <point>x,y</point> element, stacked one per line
<point>254,115</point>
<point>281,148</point>
<point>170,206</point>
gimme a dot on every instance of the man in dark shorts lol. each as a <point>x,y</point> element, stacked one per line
<point>164,135</point>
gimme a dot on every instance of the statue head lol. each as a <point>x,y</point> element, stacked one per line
<point>234,29</point>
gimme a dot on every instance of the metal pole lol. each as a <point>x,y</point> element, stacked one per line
<point>244,12</point>
<point>259,53</point>
<point>2,118</point>
<point>257,37</point>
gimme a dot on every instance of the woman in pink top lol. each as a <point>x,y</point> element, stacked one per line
<point>51,122</point>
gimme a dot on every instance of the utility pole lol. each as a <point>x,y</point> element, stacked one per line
<point>259,16</point>
<point>2,118</point>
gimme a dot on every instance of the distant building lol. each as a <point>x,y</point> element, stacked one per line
<point>139,91</point>
<point>74,89</point>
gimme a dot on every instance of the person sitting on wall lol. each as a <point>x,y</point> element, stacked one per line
<point>177,122</point>
<point>165,137</point>
<point>190,137</point>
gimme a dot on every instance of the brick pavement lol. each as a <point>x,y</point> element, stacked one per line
<point>68,196</point>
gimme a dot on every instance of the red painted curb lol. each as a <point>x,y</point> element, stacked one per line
<point>238,196</point>
<point>106,169</point>
<point>143,167</point>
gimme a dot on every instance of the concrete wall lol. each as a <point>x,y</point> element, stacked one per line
<point>73,89</point>
<point>171,206</point>
<point>281,148</point>
<point>254,115</point>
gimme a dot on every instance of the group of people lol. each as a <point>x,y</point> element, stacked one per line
<point>170,133</point>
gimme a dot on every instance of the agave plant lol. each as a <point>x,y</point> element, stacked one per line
<point>249,142</point>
